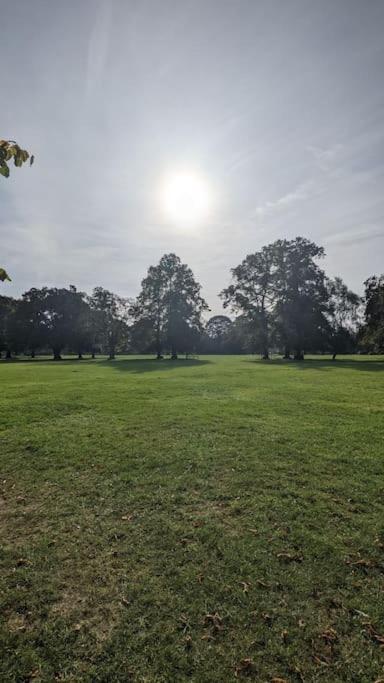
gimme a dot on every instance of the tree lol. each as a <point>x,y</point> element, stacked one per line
<point>253,295</point>
<point>110,316</point>
<point>301,296</point>
<point>216,333</point>
<point>170,306</point>
<point>372,333</point>
<point>343,316</point>
<point>26,331</point>
<point>282,292</point>
<point>7,306</point>
<point>56,316</point>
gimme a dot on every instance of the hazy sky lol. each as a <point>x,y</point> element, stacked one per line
<point>279,104</point>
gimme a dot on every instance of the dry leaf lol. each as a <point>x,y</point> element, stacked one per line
<point>246,586</point>
<point>289,557</point>
<point>284,636</point>
<point>261,583</point>
<point>214,620</point>
<point>245,667</point>
<point>188,642</point>
<point>127,518</point>
<point>372,633</point>
<point>329,635</point>
<point>279,680</point>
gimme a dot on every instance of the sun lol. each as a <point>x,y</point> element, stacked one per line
<point>185,197</point>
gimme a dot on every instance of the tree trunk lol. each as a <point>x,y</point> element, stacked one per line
<point>8,354</point>
<point>265,355</point>
<point>287,354</point>
<point>334,356</point>
<point>174,355</point>
<point>33,354</point>
<point>299,355</point>
<point>93,355</point>
<point>159,356</point>
<point>80,356</point>
<point>56,354</point>
<point>111,354</point>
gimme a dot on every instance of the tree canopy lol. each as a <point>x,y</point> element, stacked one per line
<point>170,306</point>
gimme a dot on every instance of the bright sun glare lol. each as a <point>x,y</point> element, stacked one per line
<point>185,198</point>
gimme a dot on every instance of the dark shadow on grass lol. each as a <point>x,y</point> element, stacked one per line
<point>321,364</point>
<point>138,365</point>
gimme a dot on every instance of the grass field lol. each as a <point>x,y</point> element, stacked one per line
<point>206,520</point>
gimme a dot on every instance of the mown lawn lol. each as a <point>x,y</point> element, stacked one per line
<point>205,520</point>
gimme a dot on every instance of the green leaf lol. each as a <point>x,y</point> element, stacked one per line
<point>4,275</point>
<point>4,170</point>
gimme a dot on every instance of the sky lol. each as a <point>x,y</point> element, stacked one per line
<point>276,105</point>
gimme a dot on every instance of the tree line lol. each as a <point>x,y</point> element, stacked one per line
<point>280,298</point>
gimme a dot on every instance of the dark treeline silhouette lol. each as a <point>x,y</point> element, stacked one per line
<point>281,299</point>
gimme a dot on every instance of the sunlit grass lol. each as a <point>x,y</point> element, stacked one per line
<point>192,520</point>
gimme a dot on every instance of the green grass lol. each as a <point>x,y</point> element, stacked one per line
<point>201,520</point>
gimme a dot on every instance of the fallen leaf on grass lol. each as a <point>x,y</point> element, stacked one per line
<point>261,584</point>
<point>22,562</point>
<point>363,563</point>
<point>246,586</point>
<point>207,636</point>
<point>127,518</point>
<point>200,578</point>
<point>184,622</point>
<point>321,661</point>
<point>289,557</point>
<point>125,602</point>
<point>188,642</point>
<point>329,635</point>
<point>372,633</point>
<point>214,620</point>
<point>284,636</point>
<point>245,667</point>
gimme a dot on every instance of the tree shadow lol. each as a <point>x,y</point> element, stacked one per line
<point>326,365</point>
<point>138,365</point>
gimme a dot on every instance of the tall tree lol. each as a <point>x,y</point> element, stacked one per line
<point>110,318</point>
<point>252,294</point>
<point>372,333</point>
<point>59,312</point>
<point>216,333</point>
<point>171,304</point>
<point>343,316</point>
<point>7,307</point>
<point>301,296</point>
